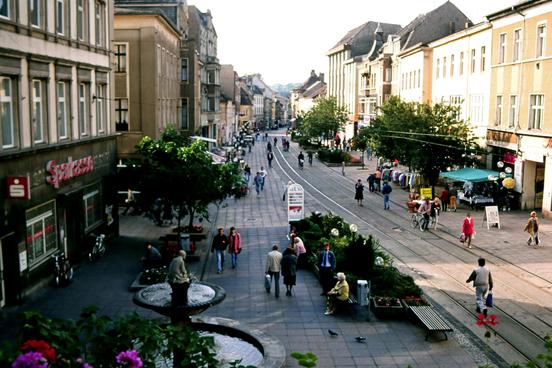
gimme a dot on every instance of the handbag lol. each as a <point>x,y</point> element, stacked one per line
<point>489,300</point>
<point>267,282</point>
<point>462,238</point>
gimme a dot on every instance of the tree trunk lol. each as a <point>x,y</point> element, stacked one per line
<point>191,211</point>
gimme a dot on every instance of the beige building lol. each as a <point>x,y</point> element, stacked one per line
<point>146,49</point>
<point>57,140</point>
<point>521,88</point>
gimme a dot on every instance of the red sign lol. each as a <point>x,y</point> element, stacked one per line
<point>509,158</point>
<point>18,187</point>
<point>68,170</point>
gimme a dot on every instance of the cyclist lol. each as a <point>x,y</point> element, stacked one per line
<point>301,159</point>
<point>425,210</point>
<point>309,155</point>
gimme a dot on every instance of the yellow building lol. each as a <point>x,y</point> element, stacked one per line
<point>520,127</point>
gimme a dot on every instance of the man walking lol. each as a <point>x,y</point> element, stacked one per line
<point>263,176</point>
<point>178,279</point>
<point>258,181</point>
<point>386,190</point>
<point>483,283</point>
<point>270,157</point>
<point>220,242</point>
<point>326,264</point>
<point>273,268</point>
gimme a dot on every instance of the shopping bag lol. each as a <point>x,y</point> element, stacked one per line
<point>462,238</point>
<point>489,300</point>
<point>267,282</point>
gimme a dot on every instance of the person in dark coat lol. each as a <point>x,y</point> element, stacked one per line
<point>371,182</point>
<point>359,192</point>
<point>289,269</point>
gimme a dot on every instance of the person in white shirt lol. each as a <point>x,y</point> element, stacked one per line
<point>273,268</point>
<point>264,174</point>
<point>483,283</point>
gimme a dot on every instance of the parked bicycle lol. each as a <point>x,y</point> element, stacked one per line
<point>98,249</point>
<point>63,271</point>
<point>418,220</point>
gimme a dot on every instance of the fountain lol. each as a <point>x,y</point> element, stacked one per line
<point>232,340</point>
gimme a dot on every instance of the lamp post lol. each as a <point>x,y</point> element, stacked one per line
<point>354,230</point>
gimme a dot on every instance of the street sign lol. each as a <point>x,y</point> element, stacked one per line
<point>491,216</point>
<point>426,193</point>
<point>296,202</point>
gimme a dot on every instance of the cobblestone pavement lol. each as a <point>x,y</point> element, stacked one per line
<point>298,321</point>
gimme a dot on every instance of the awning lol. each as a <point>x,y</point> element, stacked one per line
<point>216,158</point>
<point>211,140</point>
<point>469,174</point>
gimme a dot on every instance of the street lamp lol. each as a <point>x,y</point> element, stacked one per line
<point>354,230</point>
<point>379,261</point>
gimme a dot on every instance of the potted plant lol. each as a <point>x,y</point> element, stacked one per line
<point>387,307</point>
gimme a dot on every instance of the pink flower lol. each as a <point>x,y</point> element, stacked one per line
<point>129,359</point>
<point>32,359</point>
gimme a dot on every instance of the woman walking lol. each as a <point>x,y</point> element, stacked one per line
<point>468,229</point>
<point>359,192</point>
<point>532,228</point>
<point>234,247</point>
<point>289,269</point>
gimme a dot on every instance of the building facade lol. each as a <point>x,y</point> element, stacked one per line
<point>146,64</point>
<point>58,151</point>
<point>520,131</point>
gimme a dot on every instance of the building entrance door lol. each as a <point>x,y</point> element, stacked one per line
<point>539,185</point>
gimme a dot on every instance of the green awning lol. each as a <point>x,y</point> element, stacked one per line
<point>469,174</point>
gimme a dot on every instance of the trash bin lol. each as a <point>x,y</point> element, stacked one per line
<point>184,241</point>
<point>363,292</point>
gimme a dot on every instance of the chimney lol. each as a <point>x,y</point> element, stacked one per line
<point>321,77</point>
<point>313,73</point>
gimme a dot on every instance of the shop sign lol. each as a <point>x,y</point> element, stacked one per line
<point>426,193</point>
<point>18,187</point>
<point>491,216</point>
<point>296,202</point>
<point>509,158</point>
<point>518,175</point>
<point>23,261</point>
<point>533,154</point>
<point>68,170</point>
<point>501,138</point>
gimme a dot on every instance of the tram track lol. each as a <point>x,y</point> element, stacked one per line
<point>440,241</point>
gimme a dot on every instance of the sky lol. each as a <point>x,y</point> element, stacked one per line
<point>284,40</point>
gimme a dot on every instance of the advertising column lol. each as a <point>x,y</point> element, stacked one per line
<point>296,202</point>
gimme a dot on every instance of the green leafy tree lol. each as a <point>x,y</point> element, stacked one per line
<point>325,118</point>
<point>361,142</point>
<point>426,138</point>
<point>185,174</point>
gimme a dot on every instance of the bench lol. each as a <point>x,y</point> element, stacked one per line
<point>431,320</point>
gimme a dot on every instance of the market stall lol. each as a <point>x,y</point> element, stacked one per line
<point>479,188</point>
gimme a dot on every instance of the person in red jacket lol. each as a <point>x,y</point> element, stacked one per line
<point>234,247</point>
<point>468,229</point>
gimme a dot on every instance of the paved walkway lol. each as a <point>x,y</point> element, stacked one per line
<point>298,321</point>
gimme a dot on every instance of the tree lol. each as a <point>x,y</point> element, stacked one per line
<point>360,142</point>
<point>427,138</point>
<point>325,118</point>
<point>185,174</point>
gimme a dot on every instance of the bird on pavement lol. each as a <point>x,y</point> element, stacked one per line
<point>360,338</point>
<point>332,333</point>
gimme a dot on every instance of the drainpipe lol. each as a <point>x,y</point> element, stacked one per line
<point>520,91</point>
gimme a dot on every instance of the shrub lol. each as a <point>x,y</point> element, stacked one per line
<point>334,156</point>
<point>388,281</point>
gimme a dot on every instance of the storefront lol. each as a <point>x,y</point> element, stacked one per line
<point>53,201</point>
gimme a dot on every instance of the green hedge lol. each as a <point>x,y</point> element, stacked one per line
<point>333,156</point>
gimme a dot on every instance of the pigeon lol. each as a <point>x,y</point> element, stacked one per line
<point>360,338</point>
<point>332,333</point>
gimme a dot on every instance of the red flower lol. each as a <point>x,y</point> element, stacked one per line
<point>483,321</point>
<point>40,346</point>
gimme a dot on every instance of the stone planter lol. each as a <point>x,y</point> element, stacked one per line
<point>414,302</point>
<point>387,308</point>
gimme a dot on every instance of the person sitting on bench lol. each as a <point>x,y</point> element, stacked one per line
<point>338,294</point>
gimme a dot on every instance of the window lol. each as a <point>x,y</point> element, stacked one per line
<point>419,72</point>
<point>121,115</point>
<point>120,58</point>
<point>100,23</point>
<point>536,112</point>
<point>36,10</point>
<point>517,45</point>
<point>456,101</point>
<point>82,24</point>
<point>445,67</point>
<point>476,108</point>
<point>184,70</point>
<point>541,39</point>
<point>101,107</point>
<point>461,66</point>
<point>452,65</point>
<point>63,112</point>
<point>501,48</point>
<point>388,74</point>
<point>41,233</point>
<point>184,113</point>
<point>5,9</point>
<point>7,112</point>
<point>482,59</point>
<point>60,17</point>
<point>472,61</point>
<point>39,115</point>
<point>437,69</point>
<point>498,115</point>
<point>92,208</point>
<point>513,118</point>
<point>84,102</point>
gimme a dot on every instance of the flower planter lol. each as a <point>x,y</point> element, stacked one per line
<point>414,302</point>
<point>387,308</point>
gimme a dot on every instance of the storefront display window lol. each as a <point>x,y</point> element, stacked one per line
<point>41,233</point>
<point>92,207</point>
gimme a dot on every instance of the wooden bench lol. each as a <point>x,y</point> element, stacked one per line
<point>431,320</point>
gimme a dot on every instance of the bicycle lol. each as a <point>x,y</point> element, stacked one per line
<point>98,249</point>
<point>63,272</point>
<point>418,220</point>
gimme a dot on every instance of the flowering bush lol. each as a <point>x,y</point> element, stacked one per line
<point>129,359</point>
<point>414,301</point>
<point>154,275</point>
<point>385,301</point>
